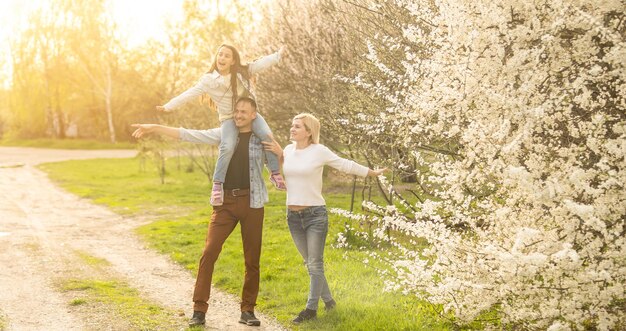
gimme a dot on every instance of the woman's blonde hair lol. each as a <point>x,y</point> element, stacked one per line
<point>312,125</point>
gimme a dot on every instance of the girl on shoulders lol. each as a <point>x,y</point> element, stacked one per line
<point>225,82</point>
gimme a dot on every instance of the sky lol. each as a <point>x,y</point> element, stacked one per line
<point>145,19</point>
<point>139,20</point>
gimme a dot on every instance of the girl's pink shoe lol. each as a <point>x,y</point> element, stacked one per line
<point>278,181</point>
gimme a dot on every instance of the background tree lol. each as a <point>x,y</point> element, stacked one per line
<point>27,99</point>
<point>51,26</point>
<point>96,52</point>
<point>326,43</point>
<point>525,208</point>
<point>64,67</point>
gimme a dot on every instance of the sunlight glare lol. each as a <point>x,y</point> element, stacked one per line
<point>142,20</point>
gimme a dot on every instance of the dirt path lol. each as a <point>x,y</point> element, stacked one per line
<point>41,229</point>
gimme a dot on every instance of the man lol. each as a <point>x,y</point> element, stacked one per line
<point>244,197</point>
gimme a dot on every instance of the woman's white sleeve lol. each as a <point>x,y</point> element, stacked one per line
<point>341,164</point>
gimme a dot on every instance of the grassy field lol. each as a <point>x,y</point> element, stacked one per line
<point>66,143</point>
<point>181,211</point>
<point>95,292</point>
<point>123,300</point>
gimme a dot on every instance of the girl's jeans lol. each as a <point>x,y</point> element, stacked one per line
<point>230,133</point>
<point>309,228</point>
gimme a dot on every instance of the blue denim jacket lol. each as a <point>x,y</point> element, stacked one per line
<point>258,191</point>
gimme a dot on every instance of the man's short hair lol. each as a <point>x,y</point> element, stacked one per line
<point>248,100</point>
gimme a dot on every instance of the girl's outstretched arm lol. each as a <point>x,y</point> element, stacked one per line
<point>191,94</point>
<point>266,62</point>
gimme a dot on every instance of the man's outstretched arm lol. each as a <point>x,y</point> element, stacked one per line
<point>142,129</point>
<point>210,136</point>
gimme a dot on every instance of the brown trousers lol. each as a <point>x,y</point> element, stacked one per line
<point>223,222</point>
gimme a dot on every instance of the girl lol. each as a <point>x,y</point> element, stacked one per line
<point>303,164</point>
<point>225,82</point>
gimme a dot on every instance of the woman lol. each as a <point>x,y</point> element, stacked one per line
<point>303,164</point>
<point>225,82</point>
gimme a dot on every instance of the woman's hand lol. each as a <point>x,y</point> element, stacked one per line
<point>281,51</point>
<point>142,129</point>
<point>273,147</point>
<point>376,173</point>
<point>161,109</point>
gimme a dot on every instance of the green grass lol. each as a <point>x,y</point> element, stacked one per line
<point>181,210</point>
<point>123,186</point>
<point>92,260</point>
<point>66,143</point>
<point>78,302</point>
<point>124,300</point>
<point>3,325</point>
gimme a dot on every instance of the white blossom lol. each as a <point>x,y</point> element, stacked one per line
<point>525,213</point>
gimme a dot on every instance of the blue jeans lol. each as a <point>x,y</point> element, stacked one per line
<point>309,228</point>
<point>230,133</point>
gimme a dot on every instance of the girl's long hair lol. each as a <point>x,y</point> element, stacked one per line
<point>236,68</point>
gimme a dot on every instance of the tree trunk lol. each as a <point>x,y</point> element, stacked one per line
<point>110,119</point>
<point>107,99</point>
<point>58,113</point>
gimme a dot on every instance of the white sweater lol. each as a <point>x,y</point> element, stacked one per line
<point>218,88</point>
<point>303,172</point>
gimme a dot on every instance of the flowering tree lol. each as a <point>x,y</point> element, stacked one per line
<point>514,114</point>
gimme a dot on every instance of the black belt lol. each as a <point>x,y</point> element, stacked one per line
<point>238,192</point>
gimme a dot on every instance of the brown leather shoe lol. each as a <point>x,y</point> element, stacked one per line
<point>248,318</point>
<point>197,319</point>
